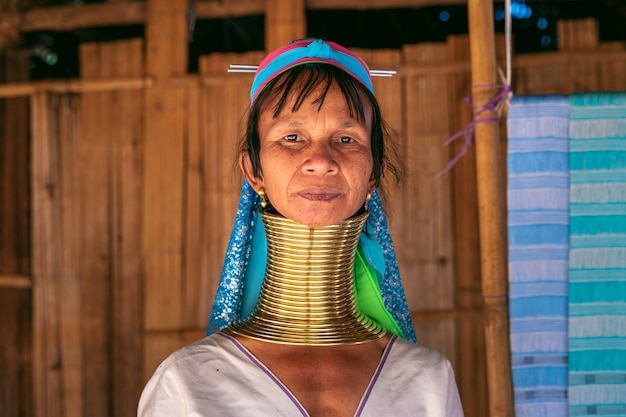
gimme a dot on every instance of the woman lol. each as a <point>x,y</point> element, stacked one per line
<point>310,317</point>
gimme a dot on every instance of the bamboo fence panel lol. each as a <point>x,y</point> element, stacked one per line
<point>86,280</point>
<point>95,157</point>
<point>284,22</point>
<point>543,78</point>
<point>163,226</point>
<point>14,163</point>
<point>163,186</point>
<point>225,104</point>
<point>126,142</point>
<point>193,266</point>
<point>611,73</point>
<point>15,279</point>
<point>58,320</point>
<point>471,362</point>
<point>47,389</point>
<point>425,251</point>
<point>215,170</point>
<point>15,354</point>
<point>579,35</point>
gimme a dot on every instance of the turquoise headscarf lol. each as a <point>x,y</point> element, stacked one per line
<point>380,294</point>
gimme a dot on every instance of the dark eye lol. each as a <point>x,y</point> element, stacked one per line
<point>345,139</point>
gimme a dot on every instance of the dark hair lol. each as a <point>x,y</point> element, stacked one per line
<point>302,81</point>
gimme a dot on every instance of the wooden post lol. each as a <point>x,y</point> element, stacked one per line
<point>491,215</point>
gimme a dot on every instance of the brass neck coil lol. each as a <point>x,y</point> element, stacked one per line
<point>308,295</point>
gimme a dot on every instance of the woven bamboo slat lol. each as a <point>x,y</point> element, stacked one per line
<point>193,268</point>
<point>470,362</point>
<point>163,187</point>
<point>539,79</point>
<point>16,326</point>
<point>126,139</point>
<point>425,249</point>
<point>227,100</point>
<point>71,295</point>
<point>428,248</point>
<point>163,227</point>
<point>14,169</point>
<point>579,35</point>
<point>234,105</point>
<point>46,389</point>
<point>212,101</point>
<point>95,200</point>
<point>58,318</point>
<point>15,244</point>
<point>284,21</point>
<point>611,73</point>
<point>15,353</point>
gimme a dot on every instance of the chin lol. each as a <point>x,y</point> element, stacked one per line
<point>320,219</point>
<point>318,214</point>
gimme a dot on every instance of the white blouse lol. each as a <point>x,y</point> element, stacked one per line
<point>218,376</point>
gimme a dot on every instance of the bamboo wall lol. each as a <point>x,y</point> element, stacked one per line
<point>133,197</point>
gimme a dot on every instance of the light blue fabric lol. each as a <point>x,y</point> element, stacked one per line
<point>538,198</point>
<point>244,266</point>
<point>597,257</point>
<point>567,206</point>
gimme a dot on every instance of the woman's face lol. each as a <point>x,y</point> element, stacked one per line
<point>316,163</point>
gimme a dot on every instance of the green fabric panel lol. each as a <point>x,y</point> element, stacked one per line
<point>369,299</point>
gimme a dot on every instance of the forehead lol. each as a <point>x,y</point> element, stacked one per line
<point>315,86</point>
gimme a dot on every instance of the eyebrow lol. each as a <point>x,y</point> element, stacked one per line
<point>346,123</point>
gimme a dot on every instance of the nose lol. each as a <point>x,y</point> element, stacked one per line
<point>320,160</point>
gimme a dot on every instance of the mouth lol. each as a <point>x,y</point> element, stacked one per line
<point>319,195</point>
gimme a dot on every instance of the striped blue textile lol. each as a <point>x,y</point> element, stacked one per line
<point>538,200</point>
<point>597,281</point>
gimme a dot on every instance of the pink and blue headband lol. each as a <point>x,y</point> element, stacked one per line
<point>304,51</point>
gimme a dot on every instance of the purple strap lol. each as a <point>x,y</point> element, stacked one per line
<point>491,106</point>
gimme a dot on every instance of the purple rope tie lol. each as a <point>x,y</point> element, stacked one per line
<point>492,106</point>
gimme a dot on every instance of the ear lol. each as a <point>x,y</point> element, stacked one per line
<point>372,181</point>
<point>245,163</point>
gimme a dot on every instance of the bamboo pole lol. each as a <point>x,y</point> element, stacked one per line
<point>23,89</point>
<point>491,216</point>
<point>15,281</point>
<point>612,53</point>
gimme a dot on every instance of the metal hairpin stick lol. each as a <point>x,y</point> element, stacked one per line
<point>252,68</point>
